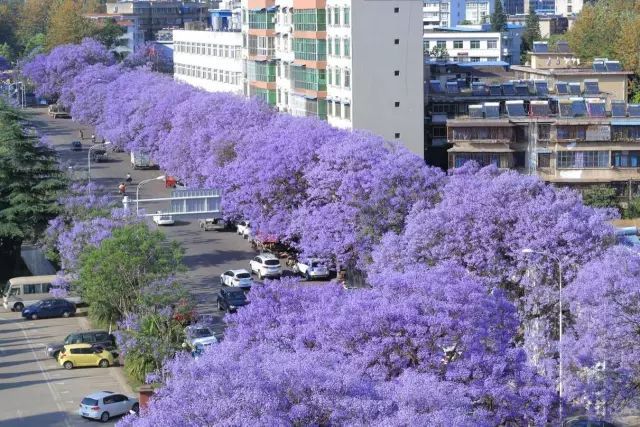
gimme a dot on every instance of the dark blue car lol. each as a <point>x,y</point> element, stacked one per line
<point>50,307</point>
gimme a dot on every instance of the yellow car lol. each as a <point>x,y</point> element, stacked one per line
<point>77,355</point>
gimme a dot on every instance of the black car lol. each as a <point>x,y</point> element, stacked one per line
<point>76,146</point>
<point>50,307</point>
<point>97,338</point>
<point>229,299</point>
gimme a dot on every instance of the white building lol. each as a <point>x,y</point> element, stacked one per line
<point>478,11</point>
<point>442,13</point>
<point>355,63</point>
<point>210,60</point>
<point>568,7</point>
<point>467,46</point>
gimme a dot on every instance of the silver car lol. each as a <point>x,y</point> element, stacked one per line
<point>103,405</point>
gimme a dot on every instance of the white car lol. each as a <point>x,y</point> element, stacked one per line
<point>162,219</point>
<point>199,335</point>
<point>103,405</point>
<point>265,265</point>
<point>243,228</point>
<point>236,278</point>
<point>312,268</point>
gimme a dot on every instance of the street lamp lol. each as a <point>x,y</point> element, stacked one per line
<point>89,156</point>
<point>159,178</point>
<point>558,261</point>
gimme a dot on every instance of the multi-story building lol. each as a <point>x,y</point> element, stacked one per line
<point>568,7</point>
<point>356,63</point>
<point>475,43</point>
<point>478,11</point>
<point>443,13</point>
<point>156,15</point>
<point>549,24</point>
<point>602,76</point>
<point>133,36</point>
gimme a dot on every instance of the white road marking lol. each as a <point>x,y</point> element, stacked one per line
<point>65,391</point>
<point>19,413</point>
<point>46,377</point>
<point>60,383</point>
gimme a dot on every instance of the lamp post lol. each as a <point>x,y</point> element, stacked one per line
<point>558,261</point>
<point>159,178</point>
<point>89,156</point>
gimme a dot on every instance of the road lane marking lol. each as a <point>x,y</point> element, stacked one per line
<point>46,378</point>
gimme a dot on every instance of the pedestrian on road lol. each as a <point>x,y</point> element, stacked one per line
<point>129,179</point>
<point>122,188</point>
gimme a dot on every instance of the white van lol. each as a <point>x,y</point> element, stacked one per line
<point>21,292</point>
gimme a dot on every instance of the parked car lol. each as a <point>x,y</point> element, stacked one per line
<point>218,224</point>
<point>76,146</point>
<point>265,265</point>
<point>312,268</point>
<point>99,155</point>
<point>162,219</point>
<point>199,349</point>
<point>78,355</point>
<point>96,338</point>
<point>236,278</point>
<point>230,299</point>
<point>243,228</point>
<point>103,405</point>
<point>50,307</point>
<point>199,335</point>
<point>586,421</point>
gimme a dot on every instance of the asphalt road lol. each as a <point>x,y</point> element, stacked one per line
<point>207,254</point>
<point>34,390</point>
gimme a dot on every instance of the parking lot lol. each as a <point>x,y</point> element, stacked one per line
<point>34,389</point>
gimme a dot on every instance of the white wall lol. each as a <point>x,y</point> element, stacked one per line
<point>484,52</point>
<point>563,6</point>
<point>231,65</point>
<point>375,57</point>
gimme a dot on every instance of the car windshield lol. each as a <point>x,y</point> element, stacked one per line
<point>315,264</point>
<point>89,402</point>
<point>201,332</point>
<point>5,290</point>
<point>237,297</point>
<point>271,262</point>
<point>243,276</point>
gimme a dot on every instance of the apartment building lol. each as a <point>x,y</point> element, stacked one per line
<point>443,13</point>
<point>156,15</point>
<point>355,63</point>
<point>132,37</point>
<point>568,7</point>
<point>211,60</point>
<point>478,11</point>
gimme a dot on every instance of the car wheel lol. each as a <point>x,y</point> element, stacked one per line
<point>18,306</point>
<point>34,316</point>
<point>67,365</point>
<point>259,275</point>
<point>219,306</point>
<point>307,275</point>
<point>136,408</point>
<point>104,363</point>
<point>66,314</point>
<point>104,417</point>
<point>56,354</point>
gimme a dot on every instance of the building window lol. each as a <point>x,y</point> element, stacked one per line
<point>544,160</point>
<point>475,44</point>
<point>492,44</point>
<point>397,104</point>
<point>582,159</point>
<point>347,111</point>
<point>396,10</point>
<point>347,48</point>
<point>329,15</point>
<point>347,78</point>
<point>396,73</point>
<point>329,46</point>
<point>309,79</point>
<point>338,109</point>
<point>397,135</point>
<point>425,45</point>
<point>329,76</point>
<point>347,16</point>
<point>441,44</point>
<point>625,159</point>
<point>310,49</point>
<point>336,16</point>
<point>396,41</point>
<point>336,47</point>
<point>338,78</point>
<point>309,20</point>
<point>330,107</point>
<point>457,44</point>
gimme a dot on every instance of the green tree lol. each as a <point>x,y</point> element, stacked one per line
<point>34,19</point>
<point>109,34</point>
<point>600,196</point>
<point>530,34</point>
<point>113,276</point>
<point>30,184</point>
<point>66,23</point>
<point>633,211</point>
<point>498,18</point>
<point>439,52</point>
<point>35,44</point>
